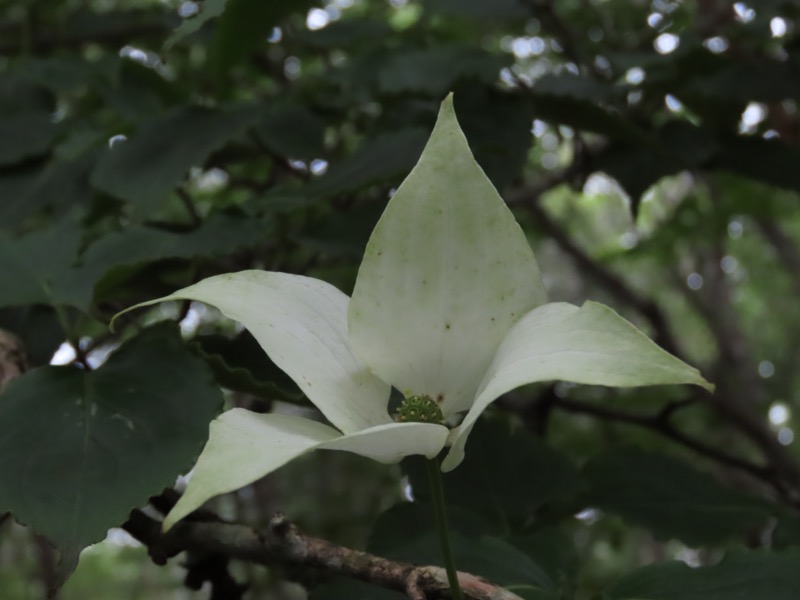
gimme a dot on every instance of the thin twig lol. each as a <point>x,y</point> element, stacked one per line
<point>661,424</point>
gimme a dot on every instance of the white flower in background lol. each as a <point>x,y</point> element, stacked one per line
<point>448,308</point>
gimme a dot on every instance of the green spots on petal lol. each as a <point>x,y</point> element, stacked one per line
<point>419,409</point>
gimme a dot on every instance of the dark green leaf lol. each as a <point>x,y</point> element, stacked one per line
<point>57,186</point>
<point>344,233</point>
<point>676,146</point>
<point>671,498</point>
<point>240,364</point>
<point>146,168</point>
<point>505,476</point>
<point>552,549</point>
<point>24,135</point>
<point>116,257</point>
<point>244,26</point>
<point>42,267</point>
<point>787,532</point>
<point>386,158</point>
<point>742,575</point>
<point>482,10</point>
<point>435,71</point>
<point>770,161</point>
<point>292,132</point>
<point>497,126</point>
<point>219,234</point>
<point>18,94</point>
<point>35,268</point>
<point>136,91</point>
<point>581,102</point>
<point>208,10</point>
<point>353,590</point>
<point>761,80</point>
<point>346,32</point>
<point>39,329</point>
<point>80,448</point>
<point>406,532</point>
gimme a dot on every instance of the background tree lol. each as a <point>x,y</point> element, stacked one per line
<point>648,148</point>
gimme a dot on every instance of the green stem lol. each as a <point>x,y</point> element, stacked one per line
<point>437,491</point>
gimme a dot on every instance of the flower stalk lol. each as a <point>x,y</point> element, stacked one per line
<point>440,513</point>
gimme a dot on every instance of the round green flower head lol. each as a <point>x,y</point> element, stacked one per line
<point>419,409</point>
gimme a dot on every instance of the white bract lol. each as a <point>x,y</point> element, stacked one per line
<point>448,304</point>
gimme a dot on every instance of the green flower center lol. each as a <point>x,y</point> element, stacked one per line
<point>419,409</point>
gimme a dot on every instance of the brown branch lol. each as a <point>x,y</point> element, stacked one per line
<point>46,41</point>
<point>281,543</point>
<point>776,472</point>
<point>785,247</point>
<point>13,361</point>
<point>661,423</point>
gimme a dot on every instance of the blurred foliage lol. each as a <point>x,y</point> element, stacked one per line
<point>648,148</point>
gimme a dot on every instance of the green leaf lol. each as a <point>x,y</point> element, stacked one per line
<point>113,260</point>
<point>145,168</point>
<point>208,10</point>
<point>353,590</point>
<point>760,159</point>
<point>742,575</point>
<point>240,364</point>
<point>406,532</point>
<point>353,31</point>
<point>33,273</point>
<point>344,232</point>
<point>385,158</point>
<point>292,131</point>
<point>671,498</point>
<point>758,80</point>
<point>506,476</point>
<point>244,26</point>
<point>58,186</point>
<point>24,135</point>
<point>580,102</point>
<point>787,532</point>
<point>220,233</point>
<point>35,267</point>
<point>676,146</point>
<point>482,10</point>
<point>553,549</point>
<point>136,91</point>
<point>497,127</point>
<point>39,329</point>
<point>435,71</point>
<point>19,95</point>
<point>81,448</point>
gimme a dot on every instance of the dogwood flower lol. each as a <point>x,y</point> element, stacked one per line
<point>448,308</point>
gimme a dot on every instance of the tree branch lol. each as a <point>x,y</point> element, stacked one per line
<point>785,247</point>
<point>777,471</point>
<point>284,544</point>
<point>156,26</point>
<point>661,423</point>
<point>13,361</point>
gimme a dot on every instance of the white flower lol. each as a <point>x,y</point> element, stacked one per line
<point>448,304</point>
